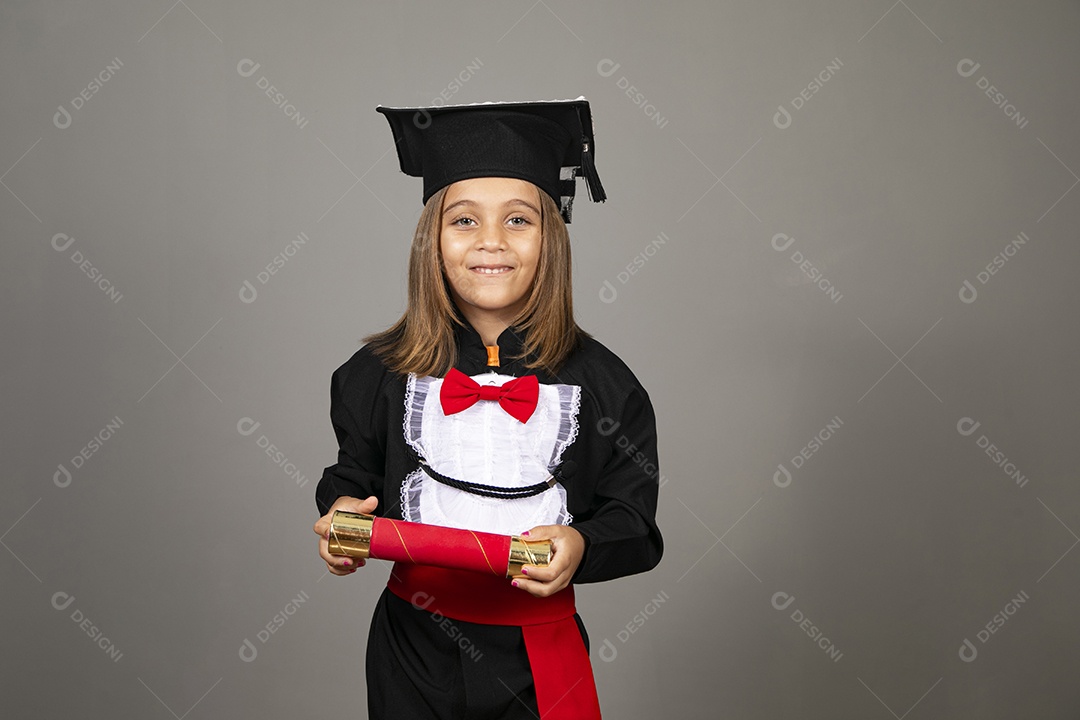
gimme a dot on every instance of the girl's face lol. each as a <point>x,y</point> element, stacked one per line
<point>490,242</point>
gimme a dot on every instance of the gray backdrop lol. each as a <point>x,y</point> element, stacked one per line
<point>839,252</point>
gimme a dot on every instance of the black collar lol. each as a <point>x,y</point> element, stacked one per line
<point>473,354</point>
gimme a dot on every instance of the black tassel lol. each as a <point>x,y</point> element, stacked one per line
<point>588,169</point>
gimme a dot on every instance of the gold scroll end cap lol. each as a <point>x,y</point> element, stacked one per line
<point>350,534</point>
<point>527,552</point>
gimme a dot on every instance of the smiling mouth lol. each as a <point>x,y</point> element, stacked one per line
<point>491,270</point>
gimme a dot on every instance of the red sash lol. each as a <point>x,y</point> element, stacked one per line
<point>562,674</point>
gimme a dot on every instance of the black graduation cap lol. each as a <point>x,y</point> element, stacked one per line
<point>548,143</point>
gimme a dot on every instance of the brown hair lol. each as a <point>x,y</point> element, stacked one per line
<point>422,341</point>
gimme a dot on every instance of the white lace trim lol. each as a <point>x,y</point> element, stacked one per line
<point>416,390</point>
<point>570,404</point>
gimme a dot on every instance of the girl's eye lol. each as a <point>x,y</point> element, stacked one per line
<point>462,220</point>
<point>519,220</point>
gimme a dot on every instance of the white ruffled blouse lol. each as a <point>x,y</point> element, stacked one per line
<point>485,444</point>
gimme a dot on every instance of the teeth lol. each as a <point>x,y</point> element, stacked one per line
<point>491,271</point>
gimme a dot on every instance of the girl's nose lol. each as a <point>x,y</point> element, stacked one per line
<point>491,236</point>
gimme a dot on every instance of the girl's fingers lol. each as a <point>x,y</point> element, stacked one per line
<point>544,574</point>
<point>539,589</point>
<point>340,568</point>
<point>543,581</point>
<point>338,561</point>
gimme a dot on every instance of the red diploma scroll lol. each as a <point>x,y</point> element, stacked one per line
<point>360,535</point>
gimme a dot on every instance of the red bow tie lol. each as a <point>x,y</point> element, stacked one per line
<point>517,397</point>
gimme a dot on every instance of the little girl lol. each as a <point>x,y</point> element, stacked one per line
<point>486,407</point>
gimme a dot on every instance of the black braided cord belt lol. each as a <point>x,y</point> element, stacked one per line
<point>487,490</point>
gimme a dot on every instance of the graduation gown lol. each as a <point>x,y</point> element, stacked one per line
<point>608,471</point>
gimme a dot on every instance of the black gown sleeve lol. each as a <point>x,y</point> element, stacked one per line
<point>620,530</point>
<point>358,415</point>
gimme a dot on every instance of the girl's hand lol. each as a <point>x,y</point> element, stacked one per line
<point>339,564</point>
<point>567,549</point>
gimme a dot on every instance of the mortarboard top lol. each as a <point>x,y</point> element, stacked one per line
<point>549,143</point>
